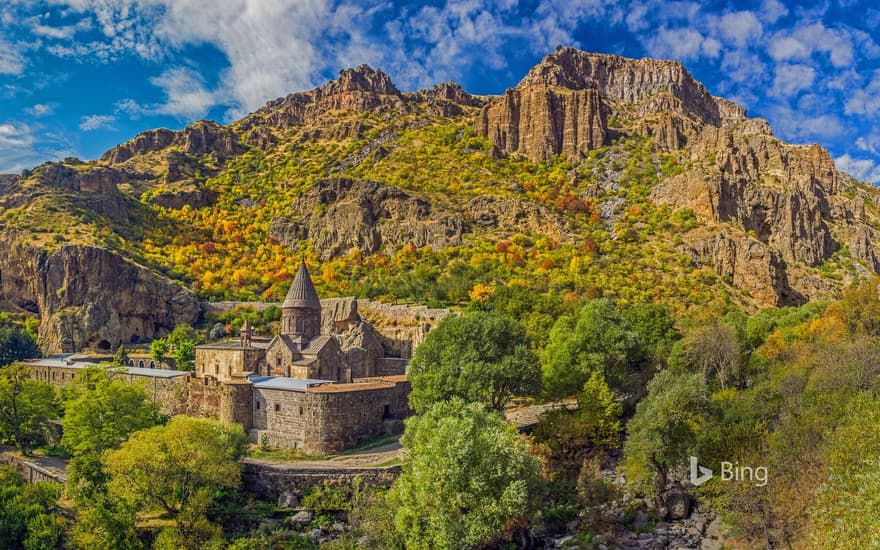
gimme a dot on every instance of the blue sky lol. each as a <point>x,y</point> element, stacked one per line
<point>78,76</point>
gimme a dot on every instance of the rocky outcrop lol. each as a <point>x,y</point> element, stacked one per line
<point>745,263</point>
<point>401,327</point>
<point>633,82</point>
<point>562,105</point>
<point>95,189</point>
<point>779,192</point>
<point>89,297</point>
<point>340,214</point>
<point>540,121</point>
<point>204,137</point>
<point>505,214</point>
<point>361,89</point>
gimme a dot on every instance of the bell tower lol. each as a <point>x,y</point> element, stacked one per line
<point>301,310</point>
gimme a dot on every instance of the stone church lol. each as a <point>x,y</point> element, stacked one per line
<point>299,351</point>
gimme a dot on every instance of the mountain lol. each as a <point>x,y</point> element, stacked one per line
<point>596,175</point>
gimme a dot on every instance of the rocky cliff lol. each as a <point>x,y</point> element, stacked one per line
<point>563,104</point>
<point>340,214</point>
<point>88,297</point>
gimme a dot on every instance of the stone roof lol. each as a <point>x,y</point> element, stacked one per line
<point>234,344</point>
<point>345,388</point>
<point>316,344</point>
<point>302,292</point>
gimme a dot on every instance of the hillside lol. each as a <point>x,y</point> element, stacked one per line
<point>595,176</point>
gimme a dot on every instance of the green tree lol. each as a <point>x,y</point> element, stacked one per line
<point>101,417</point>
<point>28,518</point>
<point>598,339</point>
<point>159,349</point>
<point>176,469</point>
<point>185,355</point>
<point>467,476</point>
<point>860,308</point>
<point>663,432</point>
<point>182,333</point>
<point>26,407</point>
<point>846,510</point>
<point>571,435</point>
<point>121,357</point>
<point>712,350</point>
<point>654,327</point>
<point>15,345</point>
<point>479,357</point>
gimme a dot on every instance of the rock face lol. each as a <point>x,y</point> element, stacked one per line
<point>361,89</point>
<point>539,121</point>
<point>90,297</point>
<point>201,138</point>
<point>562,105</point>
<point>340,214</point>
<point>747,264</point>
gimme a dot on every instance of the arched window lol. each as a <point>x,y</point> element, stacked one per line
<point>152,364</point>
<point>141,363</point>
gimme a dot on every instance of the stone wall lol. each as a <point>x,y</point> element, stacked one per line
<point>345,415</point>
<point>270,481</point>
<point>280,415</point>
<point>223,363</point>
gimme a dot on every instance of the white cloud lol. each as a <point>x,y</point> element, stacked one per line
<point>741,28</point>
<point>682,44</point>
<point>865,100</point>
<point>96,122</point>
<point>185,92</point>
<point>11,60</point>
<point>772,11</point>
<point>791,79</point>
<point>860,169</point>
<point>40,110</point>
<point>20,147</point>
<point>808,39</point>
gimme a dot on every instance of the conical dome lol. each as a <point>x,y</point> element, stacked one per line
<point>302,292</point>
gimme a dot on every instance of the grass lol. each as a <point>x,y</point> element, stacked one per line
<point>255,451</point>
<point>378,441</point>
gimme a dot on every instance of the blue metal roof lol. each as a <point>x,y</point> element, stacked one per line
<point>284,383</point>
<point>156,373</point>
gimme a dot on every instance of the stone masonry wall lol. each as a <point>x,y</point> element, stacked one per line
<point>270,481</point>
<point>280,415</point>
<point>343,419</point>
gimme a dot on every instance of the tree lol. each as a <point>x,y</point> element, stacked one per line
<point>663,432</point>
<point>15,345</point>
<point>27,513</point>
<point>654,327</point>
<point>159,349</point>
<point>121,357</point>
<point>846,509</point>
<point>101,417</point>
<point>479,357</point>
<point>175,469</point>
<point>467,476</point>
<point>26,407</point>
<point>571,435</point>
<point>185,355</point>
<point>598,339</point>
<point>712,350</point>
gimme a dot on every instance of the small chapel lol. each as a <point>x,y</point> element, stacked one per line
<point>298,351</point>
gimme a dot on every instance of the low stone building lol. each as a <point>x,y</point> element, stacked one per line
<point>300,389</point>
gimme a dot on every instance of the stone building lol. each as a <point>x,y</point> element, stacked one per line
<point>299,389</point>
